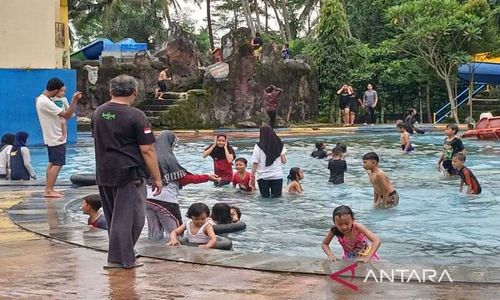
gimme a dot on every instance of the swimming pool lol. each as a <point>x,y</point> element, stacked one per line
<point>432,224</point>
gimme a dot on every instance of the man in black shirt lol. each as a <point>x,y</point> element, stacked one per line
<point>123,149</point>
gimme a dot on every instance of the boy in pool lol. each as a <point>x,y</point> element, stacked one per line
<point>337,166</point>
<point>405,138</point>
<point>384,194</point>
<point>242,177</point>
<point>451,146</point>
<point>473,186</point>
<point>91,205</point>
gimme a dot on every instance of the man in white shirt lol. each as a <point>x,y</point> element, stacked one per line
<point>48,115</point>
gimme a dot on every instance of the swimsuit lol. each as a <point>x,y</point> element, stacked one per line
<point>200,237</point>
<point>393,199</point>
<point>358,247</point>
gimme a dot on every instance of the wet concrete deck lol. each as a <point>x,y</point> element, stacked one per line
<point>68,265</point>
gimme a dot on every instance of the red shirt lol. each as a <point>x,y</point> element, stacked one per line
<point>192,178</point>
<point>224,169</point>
<point>244,182</point>
<point>271,99</point>
<point>469,179</point>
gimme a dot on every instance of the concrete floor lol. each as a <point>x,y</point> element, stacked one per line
<point>34,267</point>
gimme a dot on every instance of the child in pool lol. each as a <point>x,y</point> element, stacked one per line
<point>352,236</point>
<point>320,151</point>
<point>451,146</point>
<point>198,229</point>
<point>337,166</point>
<point>294,178</point>
<point>242,177</point>
<point>384,194</point>
<point>466,176</point>
<point>90,206</point>
<point>235,214</point>
<point>405,138</point>
<point>221,214</point>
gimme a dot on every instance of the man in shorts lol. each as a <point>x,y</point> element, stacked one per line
<point>48,115</point>
<point>124,149</point>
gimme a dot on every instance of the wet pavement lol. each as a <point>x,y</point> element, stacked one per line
<point>38,267</point>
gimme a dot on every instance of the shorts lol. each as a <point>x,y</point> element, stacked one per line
<point>162,85</point>
<point>393,199</point>
<point>449,167</point>
<point>343,105</point>
<point>57,155</point>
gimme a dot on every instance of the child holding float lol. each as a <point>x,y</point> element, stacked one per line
<point>197,230</point>
<point>357,241</point>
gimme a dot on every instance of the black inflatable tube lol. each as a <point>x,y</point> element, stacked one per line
<point>229,228</point>
<point>83,179</point>
<point>222,243</point>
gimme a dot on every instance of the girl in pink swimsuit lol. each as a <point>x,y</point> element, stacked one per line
<point>357,241</point>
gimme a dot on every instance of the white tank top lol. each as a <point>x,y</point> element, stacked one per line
<point>200,237</point>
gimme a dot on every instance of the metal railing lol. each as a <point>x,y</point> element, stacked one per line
<point>460,98</point>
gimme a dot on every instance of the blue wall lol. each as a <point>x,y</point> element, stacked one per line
<point>18,90</point>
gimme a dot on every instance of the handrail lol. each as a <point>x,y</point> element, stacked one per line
<point>459,104</point>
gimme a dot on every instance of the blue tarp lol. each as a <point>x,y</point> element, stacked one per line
<point>484,73</point>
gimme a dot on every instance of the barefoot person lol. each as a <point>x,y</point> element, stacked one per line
<point>48,115</point>
<point>384,194</point>
<point>123,149</point>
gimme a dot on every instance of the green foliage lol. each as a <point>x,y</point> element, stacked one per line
<point>330,53</point>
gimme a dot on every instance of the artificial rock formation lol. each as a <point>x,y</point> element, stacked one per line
<point>239,97</point>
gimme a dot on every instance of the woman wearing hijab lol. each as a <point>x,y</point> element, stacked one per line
<point>268,158</point>
<point>223,156</point>
<point>20,159</point>
<point>162,211</point>
<point>5,147</point>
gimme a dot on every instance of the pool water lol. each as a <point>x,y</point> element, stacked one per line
<point>433,223</point>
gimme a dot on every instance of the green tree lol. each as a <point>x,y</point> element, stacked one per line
<point>330,54</point>
<point>443,33</point>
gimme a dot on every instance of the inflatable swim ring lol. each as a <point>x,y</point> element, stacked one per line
<point>229,228</point>
<point>83,179</point>
<point>222,243</point>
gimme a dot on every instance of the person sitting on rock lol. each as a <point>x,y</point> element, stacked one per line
<point>163,79</point>
<point>257,46</point>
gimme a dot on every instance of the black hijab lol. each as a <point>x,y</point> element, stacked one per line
<point>7,139</point>
<point>169,166</point>
<point>218,152</point>
<point>20,140</point>
<point>270,143</point>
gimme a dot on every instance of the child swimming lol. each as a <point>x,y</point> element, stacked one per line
<point>466,176</point>
<point>235,214</point>
<point>405,138</point>
<point>352,236</point>
<point>320,151</point>
<point>221,214</point>
<point>242,178</point>
<point>337,166</point>
<point>198,230</point>
<point>294,178</point>
<point>384,194</point>
<point>451,146</point>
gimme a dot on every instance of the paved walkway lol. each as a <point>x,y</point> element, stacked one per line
<point>57,267</point>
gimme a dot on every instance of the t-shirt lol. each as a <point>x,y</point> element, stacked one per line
<point>4,159</point>
<point>223,168</point>
<point>452,147</point>
<point>118,130</point>
<point>48,115</point>
<point>271,99</point>
<point>337,168</point>
<point>100,222</point>
<point>469,179</point>
<point>370,97</point>
<point>243,183</point>
<point>319,154</point>
<point>271,172</point>
<point>257,40</point>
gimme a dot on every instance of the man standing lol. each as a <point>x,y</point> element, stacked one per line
<point>123,149</point>
<point>370,99</point>
<point>271,94</point>
<point>48,115</point>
